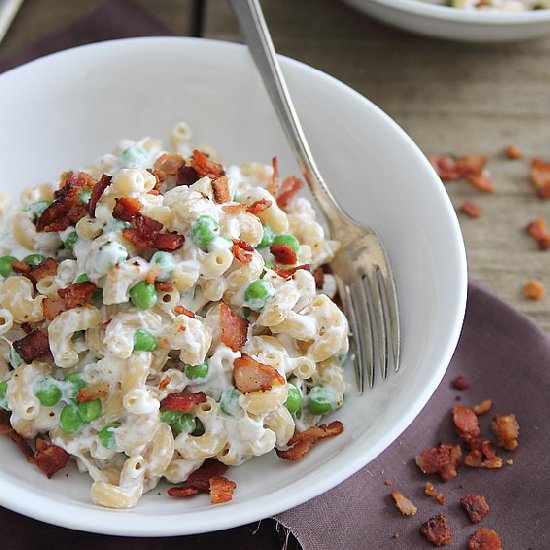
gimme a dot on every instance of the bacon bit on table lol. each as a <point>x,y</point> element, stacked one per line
<point>90,394</point>
<point>199,480</point>
<point>234,329</point>
<point>471,209</point>
<point>539,231</point>
<point>466,422</point>
<point>540,177</point>
<point>221,489</point>
<point>33,345</point>
<point>404,504</point>
<point>66,209</point>
<point>288,189</point>
<point>482,182</point>
<point>146,234</point>
<point>319,276</point>
<point>483,407</point>
<point>509,461</point>
<point>441,460</point>
<point>460,383</point>
<point>203,166</point>
<point>301,443</point>
<point>220,190</point>
<point>475,459</point>
<point>449,169</point>
<point>506,429</point>
<point>126,208</point>
<point>182,401</point>
<point>471,164</point>
<point>252,376</point>
<point>168,165</point>
<point>429,489</point>
<point>485,539</point>
<point>475,506</point>
<point>242,251</point>
<point>441,499</point>
<point>437,530</point>
<point>287,273</point>
<point>259,206</point>
<point>50,458</point>
<point>395,535</point>
<point>97,193</point>
<point>284,254</point>
<point>513,152</point>
<point>388,483</point>
<point>180,310</point>
<point>164,383</point>
<point>534,290</point>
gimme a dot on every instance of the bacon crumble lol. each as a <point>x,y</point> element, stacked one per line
<point>284,254</point>
<point>259,206</point>
<point>203,166</point>
<point>288,189</point>
<point>242,251</point>
<point>539,231</point>
<point>50,458</point>
<point>220,190</point>
<point>90,394</point>
<point>475,506</point>
<point>7,429</point>
<point>46,268</point>
<point>442,460</point>
<point>483,407</point>
<point>429,489</point>
<point>482,182</point>
<point>199,480</point>
<point>183,402</point>
<point>466,423</point>
<point>485,539</point>
<point>126,208</point>
<point>470,208</point>
<point>437,530</point>
<point>74,295</point>
<point>301,443</point>
<point>506,428</point>
<point>252,376</point>
<point>180,310</point>
<point>146,234</point>
<point>449,168</point>
<point>97,193</point>
<point>168,165</point>
<point>33,345</point>
<point>540,177</point>
<point>234,329</point>
<point>404,504</point>
<point>164,383</point>
<point>287,273</point>
<point>513,152</point>
<point>221,489</point>
<point>460,383</point>
<point>534,290</point>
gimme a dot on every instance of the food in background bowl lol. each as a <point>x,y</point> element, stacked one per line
<point>170,312</point>
<point>499,5</point>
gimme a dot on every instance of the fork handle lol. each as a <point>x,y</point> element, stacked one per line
<point>260,45</point>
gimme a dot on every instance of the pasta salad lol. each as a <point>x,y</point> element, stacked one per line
<point>168,318</point>
<point>500,5</point>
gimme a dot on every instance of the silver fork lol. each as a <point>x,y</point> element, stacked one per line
<point>361,267</point>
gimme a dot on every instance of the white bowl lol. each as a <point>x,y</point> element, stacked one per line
<point>64,110</point>
<point>457,24</point>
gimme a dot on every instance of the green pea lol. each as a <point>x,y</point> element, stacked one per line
<point>322,400</point>
<point>6,269</point>
<point>132,157</point>
<point>34,259</point>
<point>143,295</point>
<point>196,371</point>
<point>290,240</point>
<point>246,312</point>
<point>47,392</point>
<point>76,384</point>
<point>199,430</point>
<point>82,278</point>
<point>144,340</point>
<point>267,239</point>
<point>15,359</point>
<point>268,265</point>
<point>229,402</point>
<point>181,422</point>
<point>71,239</point>
<point>3,396</point>
<point>204,230</point>
<point>37,208</point>
<point>85,195</point>
<point>165,263</point>
<point>90,411</point>
<point>257,293</point>
<point>69,420</point>
<point>294,400</point>
<point>107,435</point>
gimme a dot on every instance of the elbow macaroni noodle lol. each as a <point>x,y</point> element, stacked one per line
<point>135,342</point>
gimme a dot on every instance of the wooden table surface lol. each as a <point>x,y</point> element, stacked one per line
<point>450,97</point>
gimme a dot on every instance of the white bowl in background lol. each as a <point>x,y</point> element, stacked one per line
<point>64,110</point>
<point>441,21</point>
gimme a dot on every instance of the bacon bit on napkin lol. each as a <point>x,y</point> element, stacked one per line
<point>97,193</point>
<point>284,254</point>
<point>441,460</point>
<point>203,166</point>
<point>534,290</point>
<point>485,539</point>
<point>460,383</point>
<point>475,506</point>
<point>221,489</point>
<point>540,177</point>
<point>126,208</point>
<point>403,504</point>
<point>32,346</point>
<point>483,407</point>
<point>234,329</point>
<point>437,530</point>
<point>251,375</point>
<point>259,206</point>
<point>220,190</point>
<point>242,251</point>
<point>471,209</point>
<point>513,152</point>
<point>301,443</point>
<point>506,429</point>
<point>466,423</point>
<point>288,189</point>
<point>539,231</point>
<point>50,458</point>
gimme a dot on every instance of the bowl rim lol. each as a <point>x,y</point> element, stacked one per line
<point>475,17</point>
<point>106,521</point>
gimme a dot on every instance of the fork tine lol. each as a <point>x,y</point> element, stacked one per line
<point>358,360</point>
<point>377,325</point>
<point>390,292</point>
<point>365,329</point>
<point>385,320</point>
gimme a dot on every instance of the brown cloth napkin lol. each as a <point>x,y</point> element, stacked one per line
<point>503,355</point>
